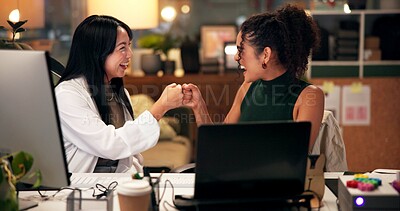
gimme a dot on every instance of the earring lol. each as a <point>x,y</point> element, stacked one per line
<point>264,65</point>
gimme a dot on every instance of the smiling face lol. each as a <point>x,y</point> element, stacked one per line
<point>117,62</point>
<point>247,57</point>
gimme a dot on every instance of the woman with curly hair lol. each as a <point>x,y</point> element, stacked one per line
<point>273,50</point>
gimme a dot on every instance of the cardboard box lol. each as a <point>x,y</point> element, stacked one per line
<point>372,54</point>
<point>372,42</point>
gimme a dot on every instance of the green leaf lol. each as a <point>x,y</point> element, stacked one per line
<point>20,30</point>
<point>3,28</point>
<point>11,24</point>
<point>38,181</point>
<point>38,176</point>
<point>153,41</point>
<point>158,42</point>
<point>21,162</point>
<point>9,201</point>
<point>19,24</point>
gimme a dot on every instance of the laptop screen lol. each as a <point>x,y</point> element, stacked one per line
<point>263,159</point>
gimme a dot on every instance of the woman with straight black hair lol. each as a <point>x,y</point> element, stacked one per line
<point>96,114</point>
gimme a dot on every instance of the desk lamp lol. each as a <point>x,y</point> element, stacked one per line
<point>137,14</point>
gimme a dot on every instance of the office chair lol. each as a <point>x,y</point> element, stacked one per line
<point>187,168</point>
<point>57,69</point>
<point>330,142</point>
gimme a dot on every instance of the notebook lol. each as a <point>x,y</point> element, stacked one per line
<point>251,160</point>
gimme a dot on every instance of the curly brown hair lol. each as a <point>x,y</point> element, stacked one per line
<point>289,31</point>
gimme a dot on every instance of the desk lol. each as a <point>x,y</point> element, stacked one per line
<point>59,201</point>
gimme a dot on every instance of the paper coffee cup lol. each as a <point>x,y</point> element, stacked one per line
<point>134,195</point>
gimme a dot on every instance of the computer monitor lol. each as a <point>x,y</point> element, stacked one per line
<point>28,114</point>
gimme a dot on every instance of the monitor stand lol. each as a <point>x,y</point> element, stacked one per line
<point>25,205</point>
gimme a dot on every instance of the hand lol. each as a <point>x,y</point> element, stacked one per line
<point>191,95</point>
<point>169,99</point>
<point>193,99</point>
<point>171,96</point>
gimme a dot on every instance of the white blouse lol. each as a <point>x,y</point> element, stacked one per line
<point>87,137</point>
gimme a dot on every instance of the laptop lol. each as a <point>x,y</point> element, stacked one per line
<point>250,161</point>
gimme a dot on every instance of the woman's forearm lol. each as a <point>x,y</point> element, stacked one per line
<point>201,114</point>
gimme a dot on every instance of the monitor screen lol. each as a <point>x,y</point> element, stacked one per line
<point>28,114</point>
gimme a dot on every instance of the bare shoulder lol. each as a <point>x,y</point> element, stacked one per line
<point>312,92</point>
<point>311,96</point>
<point>313,88</point>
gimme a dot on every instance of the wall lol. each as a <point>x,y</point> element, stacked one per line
<point>377,145</point>
<point>368,147</point>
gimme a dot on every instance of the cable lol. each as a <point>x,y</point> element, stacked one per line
<point>165,187</point>
<point>155,186</point>
<point>162,194</point>
<point>314,193</point>
<point>309,183</point>
<point>337,204</point>
<point>103,189</point>
<point>165,207</point>
<point>47,197</point>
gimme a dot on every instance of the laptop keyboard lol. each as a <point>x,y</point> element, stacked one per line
<point>178,180</point>
<point>90,180</point>
<point>83,180</point>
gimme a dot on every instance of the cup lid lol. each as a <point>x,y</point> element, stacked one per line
<point>134,188</point>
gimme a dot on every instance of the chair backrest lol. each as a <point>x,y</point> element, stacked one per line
<point>330,142</point>
<point>57,69</point>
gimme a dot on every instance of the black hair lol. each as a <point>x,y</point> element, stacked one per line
<point>94,39</point>
<point>289,31</point>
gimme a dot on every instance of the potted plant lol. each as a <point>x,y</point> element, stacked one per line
<point>15,29</point>
<point>13,168</point>
<point>150,63</point>
<point>160,43</point>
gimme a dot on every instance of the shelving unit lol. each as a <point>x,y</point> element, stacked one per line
<point>357,68</point>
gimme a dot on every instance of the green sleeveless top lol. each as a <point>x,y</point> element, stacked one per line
<point>272,100</point>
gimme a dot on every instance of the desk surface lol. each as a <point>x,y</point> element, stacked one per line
<point>59,202</point>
